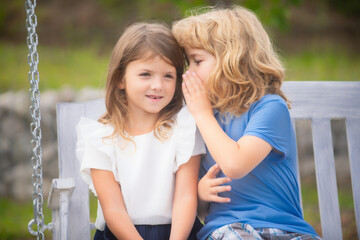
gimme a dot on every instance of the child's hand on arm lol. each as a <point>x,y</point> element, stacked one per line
<point>185,199</point>
<point>113,205</point>
<point>208,190</point>
<point>209,186</point>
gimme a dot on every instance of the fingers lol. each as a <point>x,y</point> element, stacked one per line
<point>209,186</point>
<point>216,198</point>
<point>185,92</point>
<point>195,80</point>
<point>220,189</point>
<point>211,174</point>
<point>219,181</point>
<point>213,171</point>
<point>193,84</point>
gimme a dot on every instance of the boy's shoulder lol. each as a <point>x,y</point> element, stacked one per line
<point>270,102</point>
<point>270,99</point>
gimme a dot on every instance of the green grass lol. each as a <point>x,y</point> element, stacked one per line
<point>58,67</point>
<point>87,66</point>
<point>15,217</point>
<point>329,65</point>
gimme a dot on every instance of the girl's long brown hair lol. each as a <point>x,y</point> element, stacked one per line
<point>138,41</point>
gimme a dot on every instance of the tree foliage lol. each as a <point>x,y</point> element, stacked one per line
<point>348,7</point>
<point>274,13</point>
<point>87,21</point>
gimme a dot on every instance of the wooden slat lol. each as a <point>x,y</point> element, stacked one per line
<point>68,115</point>
<point>298,169</point>
<point>353,136</point>
<point>326,179</point>
<point>323,99</point>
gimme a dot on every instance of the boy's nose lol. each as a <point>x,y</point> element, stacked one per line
<point>190,68</point>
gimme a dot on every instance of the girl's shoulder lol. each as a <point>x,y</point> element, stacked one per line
<point>184,125</point>
<point>184,121</point>
<point>92,124</point>
<point>184,114</point>
<point>93,130</point>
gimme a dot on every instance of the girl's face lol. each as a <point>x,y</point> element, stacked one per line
<point>201,62</point>
<point>149,85</point>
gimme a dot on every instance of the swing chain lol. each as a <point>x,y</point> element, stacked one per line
<point>33,75</point>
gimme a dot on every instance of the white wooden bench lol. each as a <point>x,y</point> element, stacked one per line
<point>318,101</point>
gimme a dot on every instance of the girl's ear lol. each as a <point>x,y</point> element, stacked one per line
<point>121,84</point>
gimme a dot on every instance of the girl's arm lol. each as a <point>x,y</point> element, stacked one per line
<point>113,205</point>
<point>236,159</point>
<point>185,199</point>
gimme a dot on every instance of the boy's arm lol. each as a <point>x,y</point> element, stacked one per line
<point>113,205</point>
<point>185,199</point>
<point>236,159</point>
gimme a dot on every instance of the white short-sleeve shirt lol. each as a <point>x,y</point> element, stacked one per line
<point>145,168</point>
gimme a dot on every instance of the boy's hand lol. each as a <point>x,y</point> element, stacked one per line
<point>196,96</point>
<point>209,186</point>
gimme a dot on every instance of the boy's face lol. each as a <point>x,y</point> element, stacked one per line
<point>201,62</point>
<point>149,84</point>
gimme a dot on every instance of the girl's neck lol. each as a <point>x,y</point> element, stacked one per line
<point>140,126</point>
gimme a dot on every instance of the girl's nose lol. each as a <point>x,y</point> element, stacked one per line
<point>156,83</point>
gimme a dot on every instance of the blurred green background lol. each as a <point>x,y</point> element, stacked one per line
<point>317,40</point>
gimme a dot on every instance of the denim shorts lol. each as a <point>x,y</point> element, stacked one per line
<point>241,231</point>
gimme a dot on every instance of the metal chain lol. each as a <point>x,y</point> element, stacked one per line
<point>33,60</point>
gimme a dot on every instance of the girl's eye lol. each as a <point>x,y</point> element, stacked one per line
<point>197,62</point>
<point>145,74</point>
<point>169,76</point>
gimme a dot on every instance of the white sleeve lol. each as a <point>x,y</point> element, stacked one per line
<point>93,151</point>
<point>188,139</point>
<point>199,146</point>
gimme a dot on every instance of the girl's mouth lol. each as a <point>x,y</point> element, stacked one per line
<point>155,97</point>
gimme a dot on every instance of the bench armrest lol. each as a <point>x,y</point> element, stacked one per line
<point>58,186</point>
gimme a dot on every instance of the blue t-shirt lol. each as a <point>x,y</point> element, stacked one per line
<point>268,196</point>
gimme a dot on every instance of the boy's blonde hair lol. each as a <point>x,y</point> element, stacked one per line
<point>142,40</point>
<point>247,66</point>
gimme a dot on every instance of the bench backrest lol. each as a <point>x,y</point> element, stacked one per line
<point>318,101</point>
<point>68,116</point>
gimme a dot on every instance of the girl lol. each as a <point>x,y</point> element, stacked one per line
<point>142,157</point>
<point>249,135</point>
